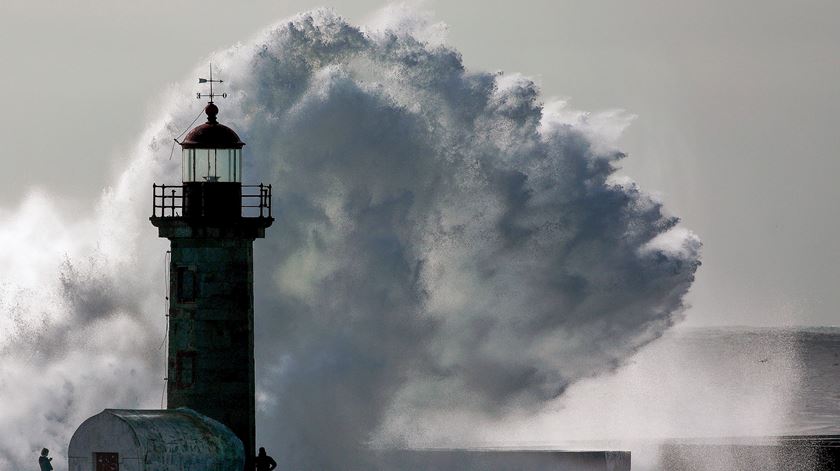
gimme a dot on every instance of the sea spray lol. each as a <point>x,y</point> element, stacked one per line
<point>442,244</point>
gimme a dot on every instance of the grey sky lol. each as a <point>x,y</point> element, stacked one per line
<point>737,106</point>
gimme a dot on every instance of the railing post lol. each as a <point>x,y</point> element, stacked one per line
<point>261,198</point>
<point>269,200</point>
<point>172,207</point>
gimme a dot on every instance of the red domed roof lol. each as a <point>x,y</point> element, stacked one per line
<point>212,135</point>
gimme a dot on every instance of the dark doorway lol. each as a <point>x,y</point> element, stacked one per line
<point>107,461</point>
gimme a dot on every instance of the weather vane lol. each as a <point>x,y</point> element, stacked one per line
<point>210,95</point>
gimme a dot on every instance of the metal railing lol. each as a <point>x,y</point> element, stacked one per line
<point>168,201</point>
<point>262,197</point>
<point>174,208</point>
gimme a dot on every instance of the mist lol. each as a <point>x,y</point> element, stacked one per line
<point>446,242</point>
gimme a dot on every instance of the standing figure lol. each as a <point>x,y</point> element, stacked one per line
<point>44,461</point>
<point>264,462</point>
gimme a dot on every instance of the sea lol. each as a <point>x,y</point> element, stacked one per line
<point>807,360</point>
<point>706,399</point>
<point>759,399</point>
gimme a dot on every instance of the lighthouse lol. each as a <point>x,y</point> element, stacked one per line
<point>211,220</point>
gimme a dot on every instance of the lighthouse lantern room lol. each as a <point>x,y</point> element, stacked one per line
<point>211,152</point>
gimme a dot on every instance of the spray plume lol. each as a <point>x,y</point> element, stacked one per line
<point>444,242</point>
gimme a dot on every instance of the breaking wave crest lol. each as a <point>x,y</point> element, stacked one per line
<point>444,241</point>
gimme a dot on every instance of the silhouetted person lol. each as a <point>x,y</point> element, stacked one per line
<point>43,461</point>
<point>263,461</point>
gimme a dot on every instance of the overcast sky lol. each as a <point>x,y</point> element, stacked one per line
<point>737,105</point>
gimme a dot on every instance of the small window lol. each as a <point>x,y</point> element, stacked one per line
<point>107,461</point>
<point>187,285</point>
<point>185,369</point>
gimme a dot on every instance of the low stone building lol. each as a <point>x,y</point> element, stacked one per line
<point>154,440</point>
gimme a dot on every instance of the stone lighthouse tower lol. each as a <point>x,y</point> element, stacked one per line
<point>211,220</point>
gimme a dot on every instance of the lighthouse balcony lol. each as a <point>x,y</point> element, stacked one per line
<point>211,200</point>
<point>211,209</point>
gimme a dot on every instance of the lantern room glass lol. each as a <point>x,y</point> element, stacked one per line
<point>211,165</point>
